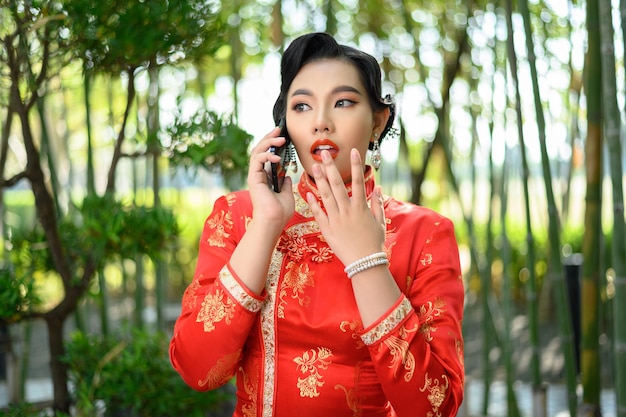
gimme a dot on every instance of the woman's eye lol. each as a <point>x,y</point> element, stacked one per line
<point>344,103</point>
<point>301,107</point>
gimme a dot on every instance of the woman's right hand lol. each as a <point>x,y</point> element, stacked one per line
<point>270,213</point>
<point>271,208</point>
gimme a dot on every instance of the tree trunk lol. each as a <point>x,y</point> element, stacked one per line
<point>117,151</point>
<point>47,216</point>
<point>59,369</point>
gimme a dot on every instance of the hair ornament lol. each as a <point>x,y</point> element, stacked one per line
<point>390,131</point>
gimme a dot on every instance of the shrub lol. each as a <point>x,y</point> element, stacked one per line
<point>132,376</point>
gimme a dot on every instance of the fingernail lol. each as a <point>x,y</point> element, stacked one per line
<point>354,154</point>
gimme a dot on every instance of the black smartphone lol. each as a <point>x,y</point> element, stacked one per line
<point>279,169</point>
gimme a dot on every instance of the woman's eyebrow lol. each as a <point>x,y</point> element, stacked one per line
<point>302,92</point>
<point>346,89</point>
<point>338,89</point>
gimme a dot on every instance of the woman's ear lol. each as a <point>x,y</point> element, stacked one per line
<point>380,119</point>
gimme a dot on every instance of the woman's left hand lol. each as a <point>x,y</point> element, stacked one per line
<point>351,228</point>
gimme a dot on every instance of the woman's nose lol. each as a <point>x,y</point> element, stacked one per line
<point>322,122</point>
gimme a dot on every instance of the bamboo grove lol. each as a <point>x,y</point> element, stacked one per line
<point>511,115</point>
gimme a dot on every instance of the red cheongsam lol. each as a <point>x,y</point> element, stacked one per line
<point>300,349</point>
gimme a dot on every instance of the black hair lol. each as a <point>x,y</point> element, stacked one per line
<point>317,46</point>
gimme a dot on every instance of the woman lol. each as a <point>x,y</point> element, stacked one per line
<point>328,297</point>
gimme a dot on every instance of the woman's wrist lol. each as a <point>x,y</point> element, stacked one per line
<point>266,231</point>
<point>251,258</point>
<point>366,262</point>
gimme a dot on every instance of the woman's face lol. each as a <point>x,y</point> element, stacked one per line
<point>328,108</point>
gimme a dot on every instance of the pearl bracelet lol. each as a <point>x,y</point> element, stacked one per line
<point>370,261</point>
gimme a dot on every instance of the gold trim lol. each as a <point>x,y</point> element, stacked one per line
<point>236,291</point>
<point>268,328</point>
<point>389,323</point>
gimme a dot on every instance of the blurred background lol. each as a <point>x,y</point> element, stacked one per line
<point>121,122</point>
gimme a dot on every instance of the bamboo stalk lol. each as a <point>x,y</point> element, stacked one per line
<point>484,271</point>
<point>91,187</point>
<point>490,307</point>
<point>531,289</point>
<point>592,242</point>
<point>507,345</point>
<point>618,303</point>
<point>160,269</point>
<point>618,246</point>
<point>555,263</point>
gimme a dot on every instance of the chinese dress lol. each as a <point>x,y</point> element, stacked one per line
<point>299,348</point>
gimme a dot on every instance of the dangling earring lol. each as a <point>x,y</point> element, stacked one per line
<point>376,158</point>
<point>292,158</point>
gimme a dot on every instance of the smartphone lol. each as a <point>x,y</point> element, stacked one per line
<point>279,169</point>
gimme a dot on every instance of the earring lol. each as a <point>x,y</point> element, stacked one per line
<point>376,158</point>
<point>291,152</point>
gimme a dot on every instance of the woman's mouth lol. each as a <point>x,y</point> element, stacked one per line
<point>324,145</point>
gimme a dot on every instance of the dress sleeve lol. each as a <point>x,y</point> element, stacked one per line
<point>417,348</point>
<point>218,311</point>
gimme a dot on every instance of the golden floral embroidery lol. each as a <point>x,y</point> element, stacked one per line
<point>302,207</point>
<point>353,327</point>
<point>249,410</point>
<point>238,293</point>
<point>389,323</point>
<point>427,314</point>
<point>409,281</point>
<point>297,278</point>
<point>459,353</point>
<point>220,373</point>
<point>389,232</point>
<point>189,297</point>
<point>436,393</point>
<point>389,249</point>
<point>215,309</point>
<point>295,245</point>
<point>427,259</point>
<point>399,350</point>
<point>220,224</point>
<point>323,254</point>
<point>231,198</point>
<point>458,343</point>
<point>310,364</point>
<point>351,400</point>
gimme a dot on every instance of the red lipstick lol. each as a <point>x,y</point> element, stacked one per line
<point>324,144</point>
